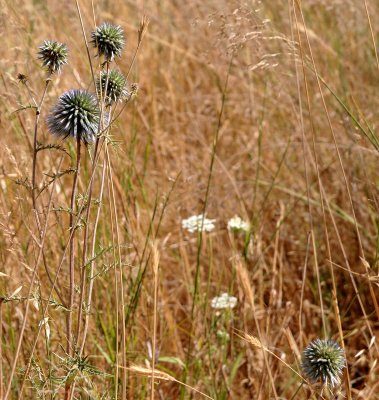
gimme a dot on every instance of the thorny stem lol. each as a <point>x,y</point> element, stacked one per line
<point>57,272</point>
<point>87,216</point>
<point>35,142</point>
<point>85,242</point>
<point>34,172</point>
<point>92,261</point>
<point>123,324</point>
<point>34,274</point>
<point>69,347</point>
<point>102,129</point>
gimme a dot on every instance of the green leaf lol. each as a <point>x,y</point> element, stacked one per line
<point>172,360</point>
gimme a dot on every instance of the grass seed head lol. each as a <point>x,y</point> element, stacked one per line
<point>75,114</point>
<point>53,55</point>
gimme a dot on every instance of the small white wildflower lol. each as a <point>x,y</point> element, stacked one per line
<point>45,322</point>
<point>237,224</point>
<point>223,301</point>
<point>195,223</point>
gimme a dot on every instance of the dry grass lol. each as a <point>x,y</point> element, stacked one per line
<point>244,107</point>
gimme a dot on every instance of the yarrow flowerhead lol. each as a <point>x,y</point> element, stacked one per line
<point>116,85</point>
<point>196,223</point>
<point>109,40</point>
<point>224,301</point>
<point>75,114</point>
<point>53,55</point>
<point>237,224</point>
<point>323,360</point>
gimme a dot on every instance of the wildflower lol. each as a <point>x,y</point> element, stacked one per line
<point>116,85</point>
<point>236,224</point>
<point>196,223</point>
<point>223,301</point>
<point>75,114</point>
<point>323,360</point>
<point>109,40</point>
<point>53,55</point>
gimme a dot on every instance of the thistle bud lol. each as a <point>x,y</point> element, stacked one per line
<point>75,114</point>
<point>116,85</point>
<point>323,360</point>
<point>109,40</point>
<point>22,78</point>
<point>53,55</point>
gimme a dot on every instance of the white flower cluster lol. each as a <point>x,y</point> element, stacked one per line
<point>196,222</point>
<point>224,301</point>
<point>237,224</point>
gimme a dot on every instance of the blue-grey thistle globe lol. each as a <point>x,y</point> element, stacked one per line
<point>109,40</point>
<point>75,114</point>
<point>53,55</point>
<point>323,360</point>
<point>116,85</point>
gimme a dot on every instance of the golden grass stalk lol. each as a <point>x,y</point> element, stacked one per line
<point>143,371</point>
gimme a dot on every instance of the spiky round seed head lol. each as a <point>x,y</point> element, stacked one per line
<point>323,360</point>
<point>116,85</point>
<point>109,40</point>
<point>75,114</point>
<point>53,55</point>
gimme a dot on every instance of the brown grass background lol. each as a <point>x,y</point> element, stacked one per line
<point>162,146</point>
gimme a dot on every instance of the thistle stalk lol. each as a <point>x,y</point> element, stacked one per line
<point>70,347</point>
<point>87,217</point>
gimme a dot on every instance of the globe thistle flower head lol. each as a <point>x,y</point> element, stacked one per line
<point>109,40</point>
<point>53,55</point>
<point>116,85</point>
<point>75,114</point>
<point>323,360</point>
